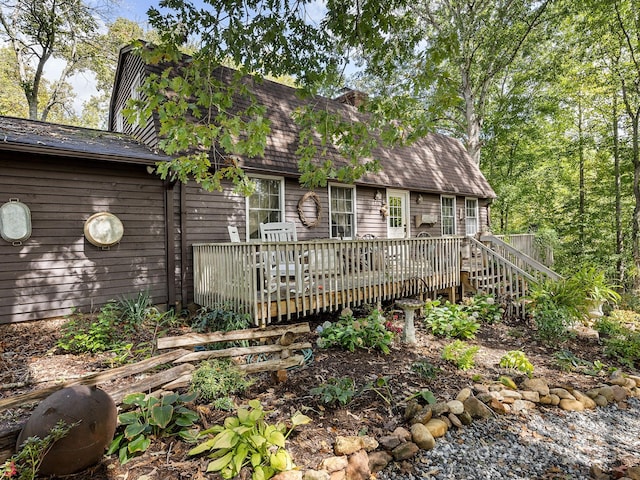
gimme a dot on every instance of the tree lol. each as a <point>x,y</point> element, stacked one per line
<point>454,53</point>
<point>41,30</point>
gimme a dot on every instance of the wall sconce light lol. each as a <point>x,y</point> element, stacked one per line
<point>378,195</point>
<point>419,199</point>
<point>150,169</point>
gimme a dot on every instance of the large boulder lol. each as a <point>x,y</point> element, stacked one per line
<point>95,414</point>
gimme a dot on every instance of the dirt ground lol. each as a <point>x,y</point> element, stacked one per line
<point>29,360</point>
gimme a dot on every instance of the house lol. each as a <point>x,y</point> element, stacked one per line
<point>72,178</point>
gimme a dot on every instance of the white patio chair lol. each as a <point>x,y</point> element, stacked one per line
<point>283,263</point>
<point>234,236</point>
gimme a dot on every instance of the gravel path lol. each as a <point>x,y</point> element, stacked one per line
<point>543,444</point>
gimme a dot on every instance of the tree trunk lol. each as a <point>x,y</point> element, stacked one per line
<point>635,227</point>
<point>620,265</point>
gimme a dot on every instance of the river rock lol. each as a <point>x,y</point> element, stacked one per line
<point>403,434</point>
<point>476,409</point>
<point>405,451</point>
<point>562,393</point>
<point>437,427</point>
<point>288,475</point>
<point>465,418</point>
<point>619,393</point>
<point>617,378</point>
<point>463,394</point>
<point>531,396</point>
<point>358,468</point>
<point>346,445</point>
<point>497,406</point>
<point>571,405</point>
<point>316,475</point>
<point>455,406</point>
<point>584,399</point>
<point>455,421</point>
<point>333,464</point>
<point>539,385</point>
<point>379,460</point>
<point>439,409</point>
<point>422,436</point>
<point>423,416</point>
<point>389,442</point>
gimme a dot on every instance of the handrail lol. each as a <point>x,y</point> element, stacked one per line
<point>323,275</point>
<point>521,258</point>
<point>497,256</point>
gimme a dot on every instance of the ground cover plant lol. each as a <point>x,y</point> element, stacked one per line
<point>341,391</point>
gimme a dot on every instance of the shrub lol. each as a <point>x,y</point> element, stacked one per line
<point>450,320</point>
<point>81,334</point>
<point>484,308</point>
<point>336,390</point>
<point>151,417</point>
<point>217,379</point>
<point>554,305</point>
<point>517,360</point>
<point>460,354</point>
<point>221,318</point>
<point>246,439</point>
<point>425,369</point>
<point>350,333</point>
<point>134,310</point>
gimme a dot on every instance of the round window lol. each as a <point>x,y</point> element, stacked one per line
<point>103,229</point>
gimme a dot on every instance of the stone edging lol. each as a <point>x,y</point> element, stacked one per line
<point>357,457</point>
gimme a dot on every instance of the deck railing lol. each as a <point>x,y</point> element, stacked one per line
<point>491,273</point>
<point>285,280</point>
<point>526,243</point>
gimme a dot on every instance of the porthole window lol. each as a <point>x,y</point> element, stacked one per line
<point>103,229</point>
<point>15,222</point>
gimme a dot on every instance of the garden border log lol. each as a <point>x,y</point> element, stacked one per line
<point>239,351</point>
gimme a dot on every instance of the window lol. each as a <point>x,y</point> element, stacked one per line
<point>471,215</point>
<point>119,121</point>
<point>135,95</point>
<point>448,214</point>
<point>265,205</point>
<point>341,211</point>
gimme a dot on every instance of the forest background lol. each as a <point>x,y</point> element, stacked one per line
<point>544,94</point>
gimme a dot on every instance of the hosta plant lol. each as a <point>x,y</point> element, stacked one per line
<point>351,333</point>
<point>246,440</point>
<point>151,417</point>
<point>517,360</point>
<point>460,354</point>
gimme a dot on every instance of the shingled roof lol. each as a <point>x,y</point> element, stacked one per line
<point>19,134</point>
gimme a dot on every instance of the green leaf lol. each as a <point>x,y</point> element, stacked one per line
<point>161,415</point>
<point>225,439</point>
<point>258,474</point>
<point>220,463</point>
<point>115,444</point>
<point>134,430</point>
<point>300,419</point>
<point>240,456</point>
<point>203,447</point>
<point>276,438</point>
<point>128,418</point>
<point>280,460</point>
<point>231,422</point>
<point>256,459</point>
<point>139,444</point>
<point>243,415</point>
<point>123,455</point>
<point>134,399</point>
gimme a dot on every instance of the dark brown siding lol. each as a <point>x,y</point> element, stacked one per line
<point>57,269</point>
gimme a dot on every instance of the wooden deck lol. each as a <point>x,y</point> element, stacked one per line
<point>321,276</point>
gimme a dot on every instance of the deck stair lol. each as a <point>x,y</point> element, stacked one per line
<point>492,266</point>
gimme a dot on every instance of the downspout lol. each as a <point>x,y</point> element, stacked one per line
<point>184,270</point>
<point>170,242</point>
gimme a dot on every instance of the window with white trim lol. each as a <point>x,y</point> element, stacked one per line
<point>448,215</point>
<point>471,216</point>
<point>135,95</point>
<point>119,127</point>
<point>342,211</point>
<point>265,205</point>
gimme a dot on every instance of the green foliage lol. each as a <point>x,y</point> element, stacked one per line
<point>221,318</point>
<point>569,362</point>
<point>134,310</point>
<point>216,379</point>
<point>247,440</point>
<point>425,369</point>
<point>593,283</point>
<point>460,354</point>
<point>517,360</point>
<point>450,320</point>
<point>336,390</point>
<point>83,335</point>
<point>554,305</point>
<point>151,417</point>
<point>350,333</point>
<point>620,336</point>
<point>484,308</point>
<point>25,464</point>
